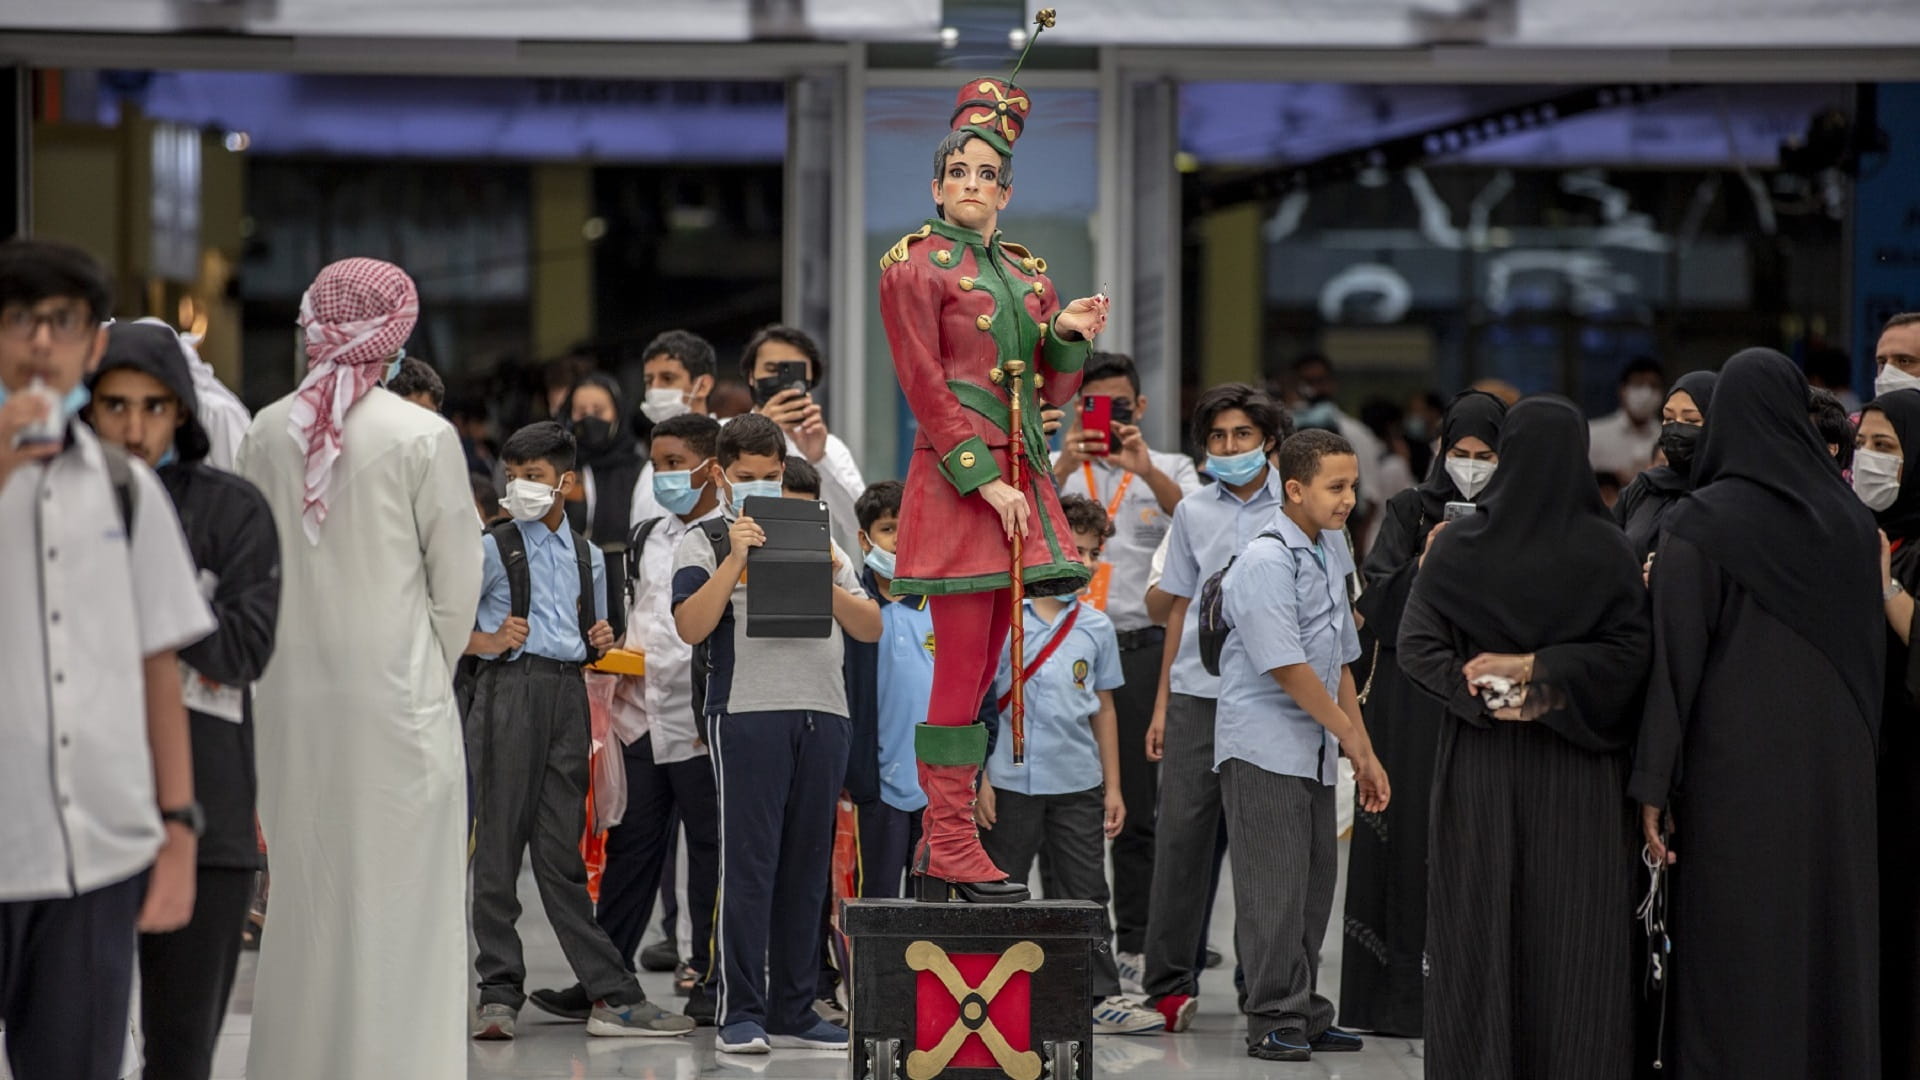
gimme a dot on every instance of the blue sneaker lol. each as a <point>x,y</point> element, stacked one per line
<point>642,1018</point>
<point>820,1035</point>
<point>1288,1045</point>
<point>745,1037</point>
<point>1335,1041</point>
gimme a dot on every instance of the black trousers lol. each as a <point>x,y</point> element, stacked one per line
<point>186,977</point>
<point>528,739</point>
<point>66,973</point>
<point>1071,830</point>
<point>1139,788</point>
<point>640,852</point>
<point>887,839</point>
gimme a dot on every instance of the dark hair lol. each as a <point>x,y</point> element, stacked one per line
<point>700,433</point>
<point>1085,515</point>
<point>801,477</point>
<point>1110,365</point>
<point>693,351</point>
<point>1381,416</point>
<point>1642,365</point>
<point>36,270</point>
<point>1301,454</point>
<point>1831,366</point>
<point>785,335</point>
<point>1905,318</point>
<point>1307,360</point>
<point>878,501</point>
<point>605,382</point>
<point>955,142</point>
<point>1273,422</point>
<point>1831,421</point>
<point>750,433</point>
<point>485,494</point>
<point>543,440</point>
<point>418,377</point>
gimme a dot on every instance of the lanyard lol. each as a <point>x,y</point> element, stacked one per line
<point>1093,489</point>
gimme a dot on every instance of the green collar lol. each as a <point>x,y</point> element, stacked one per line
<point>942,227</point>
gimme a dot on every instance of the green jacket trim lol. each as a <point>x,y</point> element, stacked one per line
<point>1055,579</point>
<point>966,745</point>
<point>970,466</point>
<point>1064,356</point>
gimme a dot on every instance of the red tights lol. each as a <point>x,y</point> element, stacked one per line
<point>969,631</point>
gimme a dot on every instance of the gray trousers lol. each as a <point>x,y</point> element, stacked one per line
<point>1184,834</point>
<point>528,739</point>
<point>1281,836</point>
<point>1071,829</point>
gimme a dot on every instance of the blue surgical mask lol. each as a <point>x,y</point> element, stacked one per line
<point>1237,469</point>
<point>393,367</point>
<point>880,561</point>
<point>674,491</point>
<point>172,455</point>
<point>70,405</point>
<point>747,489</point>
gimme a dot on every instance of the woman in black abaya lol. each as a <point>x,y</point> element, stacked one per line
<point>1887,479</point>
<point>1682,420</point>
<point>1381,977</point>
<point>1758,738</point>
<point>609,461</point>
<point>1530,888</point>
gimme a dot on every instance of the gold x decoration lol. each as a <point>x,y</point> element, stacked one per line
<point>1002,110</point>
<point>973,1002</point>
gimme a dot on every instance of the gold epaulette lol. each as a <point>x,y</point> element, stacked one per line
<point>1029,262</point>
<point>898,252</point>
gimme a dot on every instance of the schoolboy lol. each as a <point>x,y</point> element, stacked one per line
<point>778,712</point>
<point>1066,799</point>
<point>1288,709</point>
<point>669,775</point>
<point>527,745</point>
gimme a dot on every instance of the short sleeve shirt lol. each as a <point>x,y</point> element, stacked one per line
<point>1140,526</point>
<point>1209,529</point>
<point>1062,698</point>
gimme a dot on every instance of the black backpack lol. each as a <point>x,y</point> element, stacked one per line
<point>716,532</point>
<point>1210,609</point>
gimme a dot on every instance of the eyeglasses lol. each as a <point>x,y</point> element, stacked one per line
<point>67,325</point>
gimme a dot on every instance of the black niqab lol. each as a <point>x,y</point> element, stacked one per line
<point>1770,509</point>
<point>1473,413</point>
<point>1901,521</point>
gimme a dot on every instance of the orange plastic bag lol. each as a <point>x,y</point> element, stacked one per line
<point>844,878</point>
<point>606,779</point>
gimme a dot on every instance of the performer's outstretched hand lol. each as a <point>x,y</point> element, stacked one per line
<point>1086,316</point>
<point>1009,504</point>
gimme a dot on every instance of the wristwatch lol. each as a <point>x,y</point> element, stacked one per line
<point>189,815</point>
<point>1891,591</point>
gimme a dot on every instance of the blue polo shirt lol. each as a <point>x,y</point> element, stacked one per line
<point>1210,527</point>
<point>1062,699</point>
<point>906,685</point>
<point>553,620</point>
<point>1286,600</point>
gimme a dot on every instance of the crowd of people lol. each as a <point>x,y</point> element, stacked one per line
<point>368,629</point>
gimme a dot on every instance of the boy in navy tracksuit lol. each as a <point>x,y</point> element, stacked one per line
<point>778,709</point>
<point>528,736</point>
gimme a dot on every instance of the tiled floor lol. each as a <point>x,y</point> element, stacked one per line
<point>1215,1048</point>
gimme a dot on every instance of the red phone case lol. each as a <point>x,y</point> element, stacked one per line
<point>1096,417</point>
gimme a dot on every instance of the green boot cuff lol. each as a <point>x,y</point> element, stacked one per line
<point>950,745</point>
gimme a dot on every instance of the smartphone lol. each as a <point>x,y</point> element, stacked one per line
<point>1096,418</point>
<point>787,375</point>
<point>1457,510</point>
<point>1122,411</point>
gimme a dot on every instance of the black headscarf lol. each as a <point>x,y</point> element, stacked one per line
<point>1770,509</point>
<point>1901,521</point>
<point>1666,479</point>
<point>1473,413</point>
<point>615,458</point>
<point>1542,565</point>
<point>155,350</point>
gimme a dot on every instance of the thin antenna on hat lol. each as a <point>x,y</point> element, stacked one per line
<point>1042,20</point>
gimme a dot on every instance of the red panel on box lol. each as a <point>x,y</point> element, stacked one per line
<point>1011,1011</point>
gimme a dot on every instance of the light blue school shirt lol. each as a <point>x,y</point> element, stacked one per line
<point>553,577</point>
<point>1062,699</point>
<point>905,679</point>
<point>1210,527</point>
<point>1287,603</point>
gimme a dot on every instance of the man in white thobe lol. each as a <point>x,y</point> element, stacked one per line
<point>362,782</point>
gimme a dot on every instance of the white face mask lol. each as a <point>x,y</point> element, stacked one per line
<point>1470,475</point>
<point>1641,401</point>
<point>1876,477</point>
<point>1891,378</point>
<point>528,500</point>
<point>665,403</point>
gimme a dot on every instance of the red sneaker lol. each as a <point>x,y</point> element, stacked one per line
<point>1178,1009</point>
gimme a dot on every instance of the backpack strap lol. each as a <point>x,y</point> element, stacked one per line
<point>513,555</point>
<point>125,494</point>
<point>634,556</point>
<point>717,534</point>
<point>583,558</point>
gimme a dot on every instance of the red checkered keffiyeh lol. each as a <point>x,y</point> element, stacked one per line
<point>356,315</point>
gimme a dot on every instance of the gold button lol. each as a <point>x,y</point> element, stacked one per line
<point>984,322</point>
<point>997,376</point>
<point>1039,287</point>
<point>1029,263</point>
<point>967,459</point>
<point>943,257</point>
<point>966,284</point>
<point>1039,381</point>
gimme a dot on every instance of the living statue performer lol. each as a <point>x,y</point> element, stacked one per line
<point>979,340</point>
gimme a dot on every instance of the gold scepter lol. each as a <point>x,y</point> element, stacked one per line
<point>1017,641</point>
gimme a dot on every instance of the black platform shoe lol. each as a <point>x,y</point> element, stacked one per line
<point>933,890</point>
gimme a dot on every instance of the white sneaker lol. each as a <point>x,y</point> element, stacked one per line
<point>1133,972</point>
<point>1124,1016</point>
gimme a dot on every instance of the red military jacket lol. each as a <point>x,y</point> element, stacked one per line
<point>955,306</point>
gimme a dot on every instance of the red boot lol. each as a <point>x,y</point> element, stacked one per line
<point>950,862</point>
